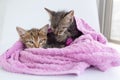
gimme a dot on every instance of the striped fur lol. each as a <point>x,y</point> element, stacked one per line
<point>33,38</point>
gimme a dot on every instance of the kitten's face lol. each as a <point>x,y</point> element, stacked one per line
<point>33,38</point>
<point>60,22</point>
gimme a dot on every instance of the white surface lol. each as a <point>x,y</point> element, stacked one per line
<point>30,13</point>
<point>90,74</point>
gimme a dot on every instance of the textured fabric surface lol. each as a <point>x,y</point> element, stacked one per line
<point>88,50</point>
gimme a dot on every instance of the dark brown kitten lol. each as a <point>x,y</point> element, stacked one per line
<point>63,25</point>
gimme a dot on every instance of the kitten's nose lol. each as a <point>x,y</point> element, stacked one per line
<point>36,45</point>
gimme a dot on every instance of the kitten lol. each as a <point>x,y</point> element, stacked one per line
<point>63,25</point>
<point>33,38</point>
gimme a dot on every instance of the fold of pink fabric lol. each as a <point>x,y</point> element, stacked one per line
<point>88,50</point>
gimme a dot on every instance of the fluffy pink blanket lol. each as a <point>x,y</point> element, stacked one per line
<point>88,50</point>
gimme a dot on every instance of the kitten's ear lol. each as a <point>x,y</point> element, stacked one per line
<point>44,29</point>
<point>50,12</point>
<point>69,17</point>
<point>20,31</point>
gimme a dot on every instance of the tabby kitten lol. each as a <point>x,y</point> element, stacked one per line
<point>63,25</point>
<point>33,38</point>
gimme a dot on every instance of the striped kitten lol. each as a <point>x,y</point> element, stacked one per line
<point>33,38</point>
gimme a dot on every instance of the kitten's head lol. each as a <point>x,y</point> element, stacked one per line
<point>33,38</point>
<point>60,22</point>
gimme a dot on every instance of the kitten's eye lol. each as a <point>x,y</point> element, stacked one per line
<point>60,31</point>
<point>31,42</point>
<point>64,27</point>
<point>42,40</point>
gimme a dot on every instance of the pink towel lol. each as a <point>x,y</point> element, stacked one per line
<point>88,50</point>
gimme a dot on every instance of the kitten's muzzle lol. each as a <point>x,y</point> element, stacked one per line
<point>61,38</point>
<point>37,46</point>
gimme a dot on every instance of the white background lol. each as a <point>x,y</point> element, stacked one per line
<point>31,13</point>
